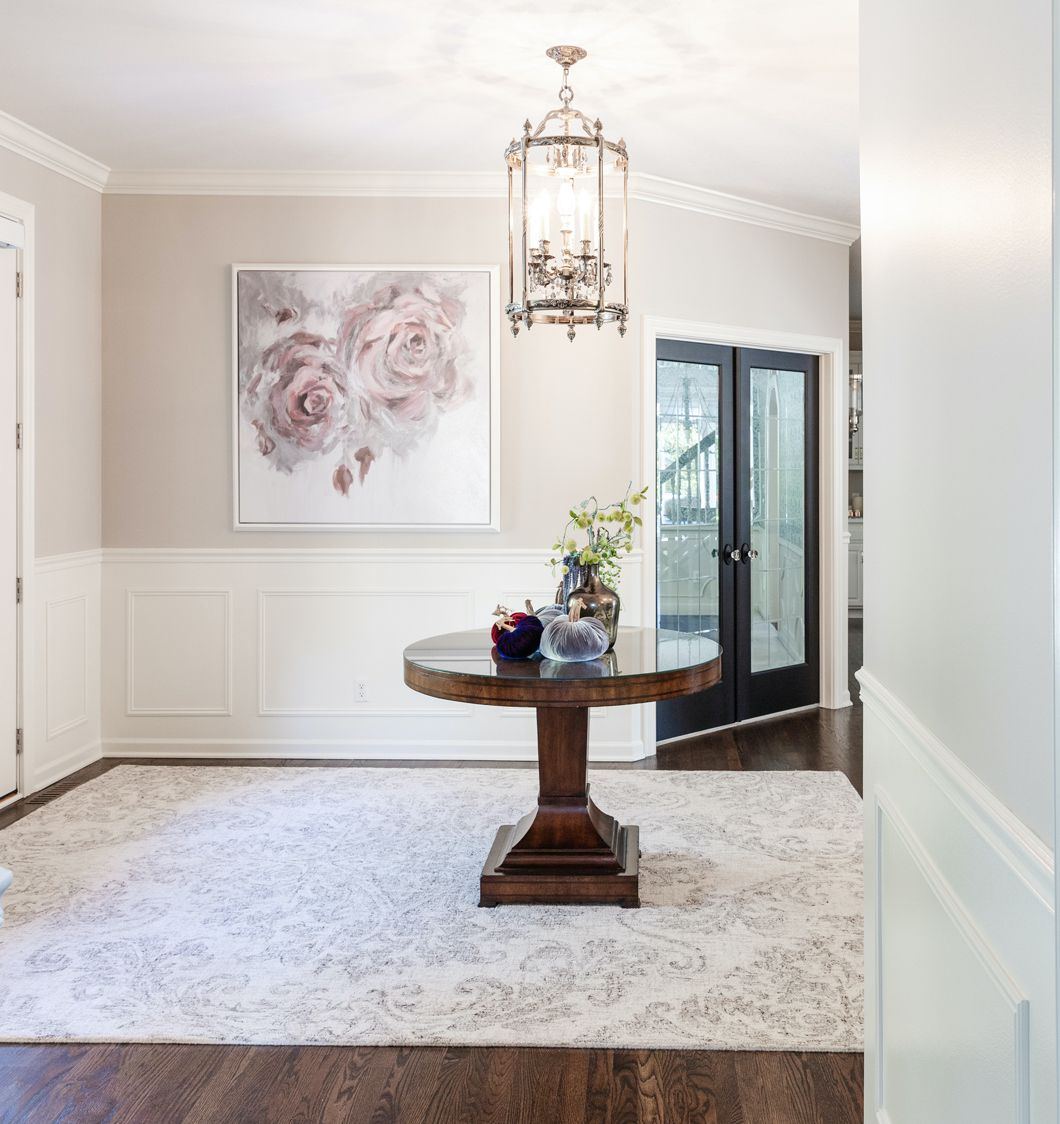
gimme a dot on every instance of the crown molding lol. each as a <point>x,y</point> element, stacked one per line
<point>23,139</point>
<point>474,185</point>
<point>395,185</point>
<point>688,197</point>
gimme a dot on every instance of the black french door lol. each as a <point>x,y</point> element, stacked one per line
<point>737,525</point>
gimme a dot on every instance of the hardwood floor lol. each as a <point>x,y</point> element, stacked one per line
<point>172,1084</point>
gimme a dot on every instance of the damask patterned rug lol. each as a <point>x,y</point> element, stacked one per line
<point>309,905</point>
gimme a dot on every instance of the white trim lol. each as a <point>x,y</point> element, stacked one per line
<point>465,185</point>
<point>834,692</point>
<point>367,749</point>
<point>133,711</point>
<point>53,563</point>
<point>25,213</point>
<point>365,185</point>
<point>689,197</point>
<point>386,556</point>
<point>1027,856</point>
<point>494,321</point>
<point>23,139</point>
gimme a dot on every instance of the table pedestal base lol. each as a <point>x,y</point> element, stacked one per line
<point>566,851</point>
<point>558,886</point>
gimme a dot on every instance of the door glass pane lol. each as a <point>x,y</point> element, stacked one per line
<point>687,491</point>
<point>778,518</point>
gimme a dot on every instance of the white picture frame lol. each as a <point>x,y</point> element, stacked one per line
<point>433,458</point>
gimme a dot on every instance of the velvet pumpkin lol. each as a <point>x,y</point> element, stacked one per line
<point>546,613</point>
<point>504,617</point>
<point>520,640</point>
<point>574,638</point>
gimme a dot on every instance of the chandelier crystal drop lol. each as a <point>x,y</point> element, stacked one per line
<point>568,186</point>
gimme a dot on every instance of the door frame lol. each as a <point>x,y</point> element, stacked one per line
<point>832,425</point>
<point>23,212</point>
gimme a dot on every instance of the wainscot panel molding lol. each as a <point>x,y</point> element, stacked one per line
<point>178,652</point>
<point>63,687</point>
<point>308,645</point>
<point>960,908</point>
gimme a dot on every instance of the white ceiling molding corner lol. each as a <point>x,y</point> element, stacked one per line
<point>474,185</point>
<point>27,141</point>
<point>23,139</point>
<point>411,185</point>
<point>688,197</point>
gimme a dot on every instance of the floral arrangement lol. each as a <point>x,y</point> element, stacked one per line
<point>371,371</point>
<point>609,535</point>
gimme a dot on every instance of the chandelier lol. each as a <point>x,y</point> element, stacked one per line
<point>567,185</point>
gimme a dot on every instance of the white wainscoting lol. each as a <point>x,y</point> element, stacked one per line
<point>959,908</point>
<point>297,653</point>
<point>62,728</point>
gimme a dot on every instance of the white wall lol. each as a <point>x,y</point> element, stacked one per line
<point>570,426</point>
<point>957,319</point>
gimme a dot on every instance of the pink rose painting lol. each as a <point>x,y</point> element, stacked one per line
<point>365,398</point>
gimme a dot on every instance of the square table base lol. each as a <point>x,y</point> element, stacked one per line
<point>558,886</point>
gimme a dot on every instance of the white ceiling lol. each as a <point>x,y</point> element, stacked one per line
<point>757,98</point>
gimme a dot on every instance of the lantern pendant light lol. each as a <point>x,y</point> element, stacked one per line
<point>568,188</point>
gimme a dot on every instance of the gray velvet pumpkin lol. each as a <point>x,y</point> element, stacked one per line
<point>547,612</point>
<point>573,638</point>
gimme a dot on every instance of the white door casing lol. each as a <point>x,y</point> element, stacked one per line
<point>9,645</point>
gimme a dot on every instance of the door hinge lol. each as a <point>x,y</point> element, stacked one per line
<point>18,435</point>
<point>18,591</point>
<point>18,740</point>
<point>18,285</point>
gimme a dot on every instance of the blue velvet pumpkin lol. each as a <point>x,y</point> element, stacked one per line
<point>520,640</point>
<point>574,638</point>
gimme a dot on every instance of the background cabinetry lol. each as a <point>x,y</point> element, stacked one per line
<point>856,492</point>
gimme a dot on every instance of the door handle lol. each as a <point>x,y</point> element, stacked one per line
<point>729,555</point>
<point>748,553</point>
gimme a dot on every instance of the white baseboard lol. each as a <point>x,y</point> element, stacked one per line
<point>418,749</point>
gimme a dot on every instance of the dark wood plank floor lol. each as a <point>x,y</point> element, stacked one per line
<point>171,1084</point>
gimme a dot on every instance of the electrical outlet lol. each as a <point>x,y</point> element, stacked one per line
<point>362,691</point>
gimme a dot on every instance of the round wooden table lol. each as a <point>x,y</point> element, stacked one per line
<point>565,851</point>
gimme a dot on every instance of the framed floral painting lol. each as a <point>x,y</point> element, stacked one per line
<point>366,397</point>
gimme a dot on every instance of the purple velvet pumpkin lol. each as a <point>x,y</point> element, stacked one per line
<point>520,640</point>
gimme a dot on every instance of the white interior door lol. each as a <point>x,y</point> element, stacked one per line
<point>8,522</point>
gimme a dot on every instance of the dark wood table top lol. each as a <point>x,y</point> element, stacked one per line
<point>645,665</point>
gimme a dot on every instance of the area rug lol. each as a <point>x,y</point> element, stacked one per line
<point>339,906</point>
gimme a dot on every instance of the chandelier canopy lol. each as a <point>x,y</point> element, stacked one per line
<point>568,186</point>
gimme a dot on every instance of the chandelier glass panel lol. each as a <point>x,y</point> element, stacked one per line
<point>568,204</point>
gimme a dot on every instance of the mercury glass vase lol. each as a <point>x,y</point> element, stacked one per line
<point>583,583</point>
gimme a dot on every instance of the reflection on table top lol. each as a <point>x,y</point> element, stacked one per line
<point>637,652</point>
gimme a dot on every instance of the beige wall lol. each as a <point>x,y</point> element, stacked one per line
<point>67,288</point>
<point>569,412</point>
